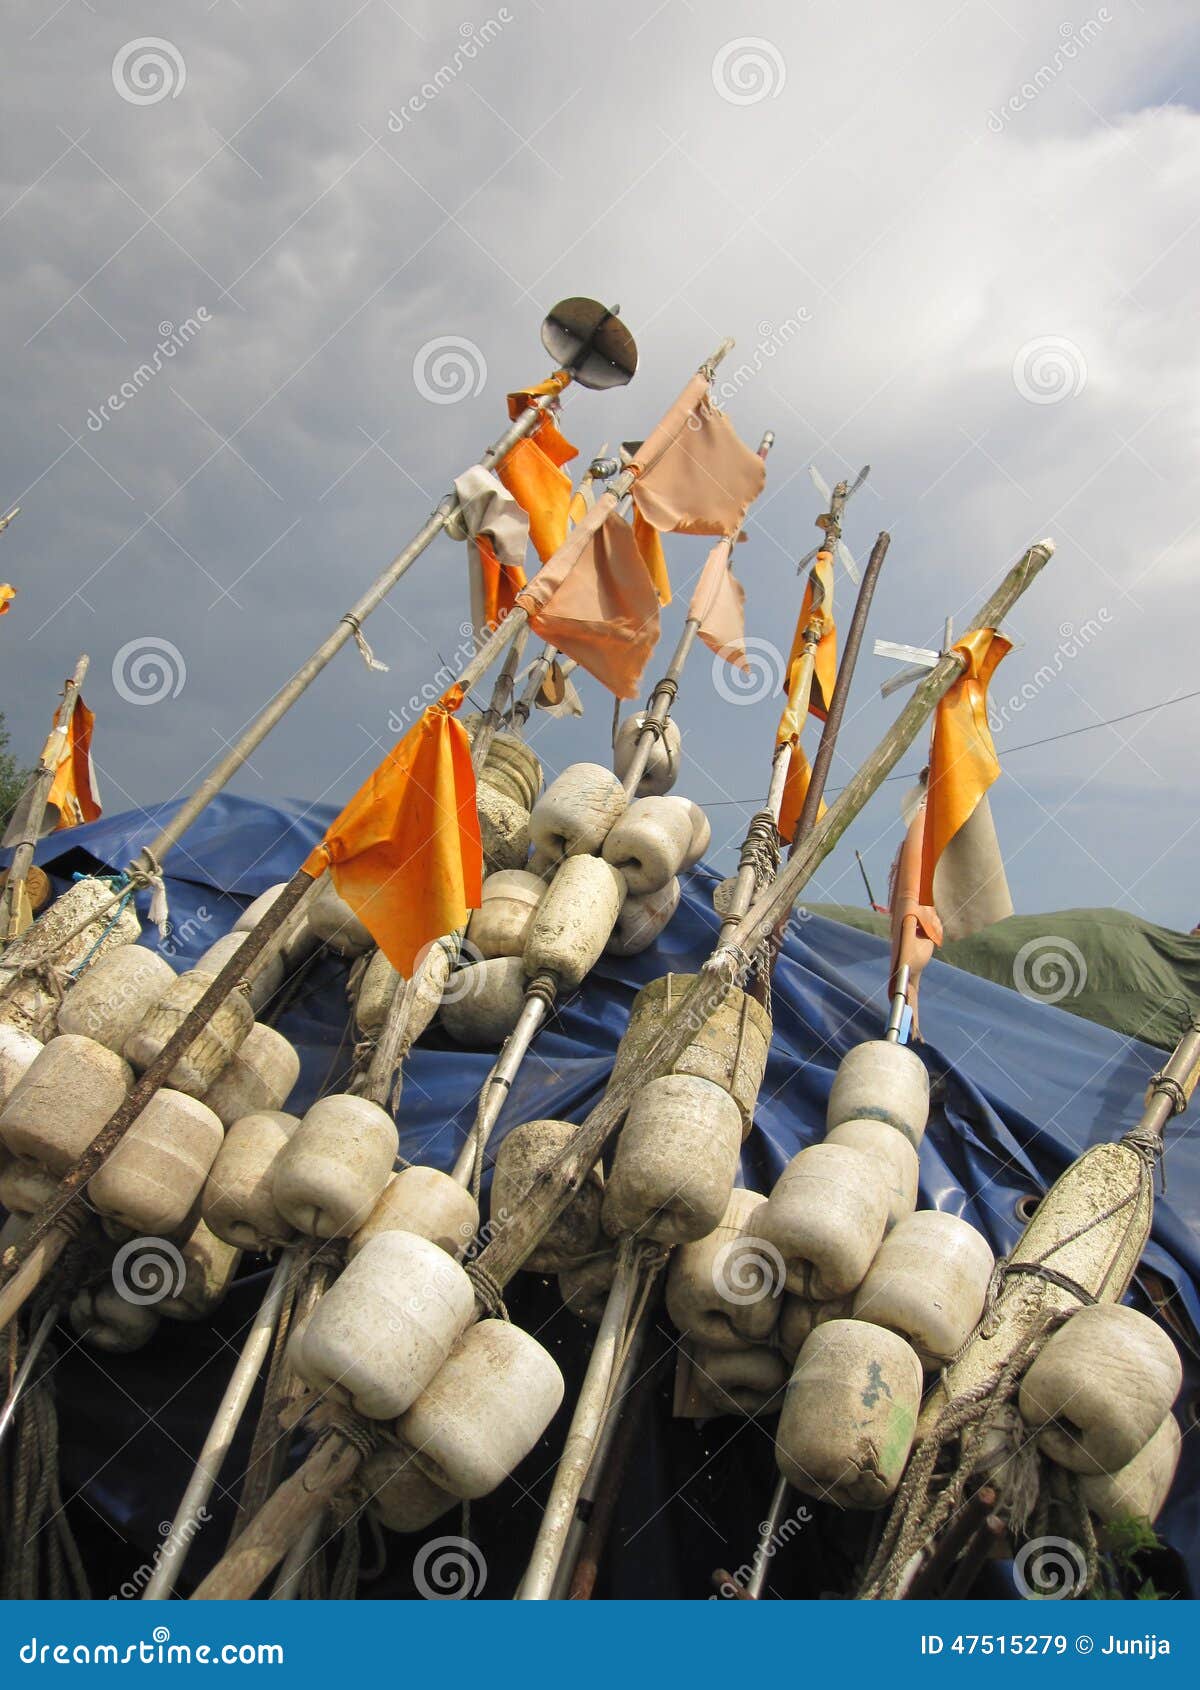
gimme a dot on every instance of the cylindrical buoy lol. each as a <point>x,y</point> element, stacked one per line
<point>153,1176</point>
<point>107,1321</point>
<point>335,923</point>
<point>576,811</point>
<point>650,842</point>
<point>28,1002</point>
<point>62,1100</point>
<point>663,763</point>
<point>849,1414</point>
<point>799,1316</point>
<point>427,1202</point>
<point>209,1266</point>
<point>574,920</point>
<point>748,1381</point>
<point>268,978</point>
<point>929,1283</point>
<point>399,1495</point>
<point>482,1001</point>
<point>17,1051</point>
<point>510,765</point>
<point>24,1184</point>
<point>113,996</point>
<point>1100,1387</point>
<point>213,1046</point>
<point>1139,1489</point>
<point>485,1408</point>
<point>826,1217</point>
<point>730,1049</point>
<point>675,1161</point>
<point>503,828</point>
<point>701,834</point>
<point>584,1286</point>
<point>374,997</point>
<point>258,1078</point>
<point>238,1204</point>
<point>524,1154</point>
<point>642,920</point>
<point>724,1290</point>
<point>332,1170</point>
<point>878,1081</point>
<point>384,1327</point>
<point>299,946</point>
<point>894,1154</point>
<point>500,926</point>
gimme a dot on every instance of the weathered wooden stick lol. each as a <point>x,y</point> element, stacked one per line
<point>25,828</point>
<point>336,1458</point>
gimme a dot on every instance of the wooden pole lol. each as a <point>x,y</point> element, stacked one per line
<point>25,828</point>
<point>334,1462</point>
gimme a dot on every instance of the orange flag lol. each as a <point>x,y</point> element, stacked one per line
<point>650,550</point>
<point>795,791</point>
<point>916,928</point>
<point>499,583</point>
<point>7,594</point>
<point>963,762</point>
<point>74,795</point>
<point>533,471</point>
<point>818,604</point>
<point>719,606</point>
<point>595,601</point>
<point>695,476</point>
<point>405,852</point>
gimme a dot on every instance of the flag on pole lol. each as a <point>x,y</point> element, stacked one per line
<point>595,601</point>
<point>7,594</point>
<point>497,533</point>
<point>916,929</point>
<point>795,791</point>
<point>818,604</point>
<point>963,762</point>
<point>405,853</point>
<point>74,795</point>
<point>533,471</point>
<point>650,550</point>
<point>695,476</point>
<point>719,606</point>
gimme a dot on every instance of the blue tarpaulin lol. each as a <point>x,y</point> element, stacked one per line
<point>1020,1089</point>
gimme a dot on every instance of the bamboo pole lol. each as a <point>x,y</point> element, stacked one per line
<point>52,1227</point>
<point>348,627</point>
<point>335,1459</point>
<point>26,825</point>
<point>223,1429</point>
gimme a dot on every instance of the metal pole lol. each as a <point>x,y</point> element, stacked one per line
<point>26,824</point>
<point>287,1585</point>
<point>222,1431</point>
<point>36,1345</point>
<point>768,1531</point>
<point>586,1425</point>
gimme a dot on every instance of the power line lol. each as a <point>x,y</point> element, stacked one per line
<point>1028,745</point>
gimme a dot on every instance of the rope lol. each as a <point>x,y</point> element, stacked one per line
<point>42,1558</point>
<point>488,1290</point>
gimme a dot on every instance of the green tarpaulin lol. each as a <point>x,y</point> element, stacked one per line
<point>1105,965</point>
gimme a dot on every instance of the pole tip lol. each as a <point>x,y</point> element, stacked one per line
<point>1047,546</point>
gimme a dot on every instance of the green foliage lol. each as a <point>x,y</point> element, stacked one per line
<point>13,777</point>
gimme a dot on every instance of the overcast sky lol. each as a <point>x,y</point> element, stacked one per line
<point>958,241</point>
